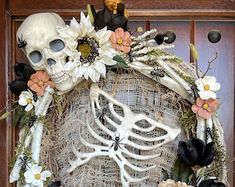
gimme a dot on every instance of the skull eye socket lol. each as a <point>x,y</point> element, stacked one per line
<point>35,56</point>
<point>57,45</point>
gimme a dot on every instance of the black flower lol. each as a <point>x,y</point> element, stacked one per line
<point>55,184</point>
<point>211,183</point>
<point>23,73</point>
<point>105,18</point>
<point>196,153</point>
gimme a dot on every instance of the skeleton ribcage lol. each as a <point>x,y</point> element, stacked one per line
<point>81,127</point>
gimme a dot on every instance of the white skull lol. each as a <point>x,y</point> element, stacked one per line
<point>45,50</point>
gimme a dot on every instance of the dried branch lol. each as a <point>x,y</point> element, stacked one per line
<point>209,64</point>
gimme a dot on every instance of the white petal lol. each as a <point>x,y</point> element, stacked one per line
<point>209,80</point>
<point>36,169</point>
<point>79,72</point>
<point>199,83</point>
<point>22,101</point>
<point>100,67</point>
<point>86,73</point>
<point>93,74</point>
<point>74,23</point>
<point>28,107</point>
<point>45,175</point>
<point>38,183</point>
<point>28,176</point>
<point>207,95</point>
<point>216,87</point>
<point>108,61</point>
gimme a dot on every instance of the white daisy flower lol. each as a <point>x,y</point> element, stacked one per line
<point>36,176</point>
<point>207,87</point>
<point>26,99</point>
<point>88,51</point>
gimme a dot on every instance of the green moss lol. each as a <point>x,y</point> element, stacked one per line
<point>188,122</point>
<point>188,79</point>
<point>159,53</point>
<point>216,167</point>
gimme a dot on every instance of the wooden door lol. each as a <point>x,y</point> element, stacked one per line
<point>191,21</point>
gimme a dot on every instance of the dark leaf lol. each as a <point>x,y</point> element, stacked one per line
<point>17,86</point>
<point>120,62</point>
<point>176,170</point>
<point>19,112</point>
<point>165,175</point>
<point>185,174</point>
<point>5,115</point>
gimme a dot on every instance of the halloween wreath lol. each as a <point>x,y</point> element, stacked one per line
<point>99,106</point>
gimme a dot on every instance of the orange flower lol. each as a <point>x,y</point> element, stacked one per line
<point>121,40</point>
<point>39,81</point>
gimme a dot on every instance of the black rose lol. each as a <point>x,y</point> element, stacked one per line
<point>23,73</point>
<point>196,153</point>
<point>211,183</point>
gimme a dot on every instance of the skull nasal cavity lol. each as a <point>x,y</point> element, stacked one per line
<point>51,61</point>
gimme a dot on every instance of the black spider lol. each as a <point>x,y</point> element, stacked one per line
<point>32,120</point>
<point>23,162</point>
<point>209,133</point>
<point>117,142</point>
<point>130,56</point>
<point>195,91</point>
<point>157,73</point>
<point>21,42</point>
<point>101,114</point>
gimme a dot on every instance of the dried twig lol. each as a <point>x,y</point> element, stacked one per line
<point>209,64</point>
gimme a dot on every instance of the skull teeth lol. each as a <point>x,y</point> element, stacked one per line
<point>59,77</point>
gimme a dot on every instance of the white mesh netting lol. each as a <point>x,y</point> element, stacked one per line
<point>142,95</point>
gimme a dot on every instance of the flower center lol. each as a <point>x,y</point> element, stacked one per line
<point>40,83</point>
<point>206,87</point>
<point>29,101</point>
<point>89,49</point>
<point>85,49</point>
<point>205,106</point>
<point>119,41</point>
<point>37,176</point>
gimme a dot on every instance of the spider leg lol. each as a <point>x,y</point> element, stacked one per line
<point>111,146</point>
<point>120,146</point>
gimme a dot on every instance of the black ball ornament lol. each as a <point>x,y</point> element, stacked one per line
<point>171,36</point>
<point>214,36</point>
<point>159,38</point>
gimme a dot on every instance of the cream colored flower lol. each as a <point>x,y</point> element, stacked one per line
<point>36,176</point>
<point>88,51</point>
<point>207,87</point>
<point>172,183</point>
<point>26,100</point>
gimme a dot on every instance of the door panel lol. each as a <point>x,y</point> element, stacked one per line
<point>223,70</point>
<point>182,31</point>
